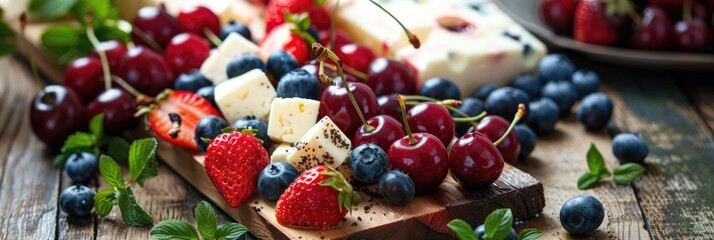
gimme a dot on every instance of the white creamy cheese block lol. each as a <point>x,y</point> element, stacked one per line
<point>324,143</point>
<point>290,118</point>
<point>214,68</point>
<point>280,154</point>
<point>249,94</point>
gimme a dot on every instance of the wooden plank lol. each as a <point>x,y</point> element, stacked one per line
<point>700,90</point>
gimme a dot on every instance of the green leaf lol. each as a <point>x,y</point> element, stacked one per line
<point>206,220</point>
<point>596,163</point>
<point>118,149</point>
<point>498,224</point>
<point>61,159</point>
<point>230,231</point>
<point>65,43</point>
<point>131,212</point>
<point>462,229</point>
<point>7,37</point>
<point>114,30</point>
<point>588,180</point>
<point>101,10</point>
<point>142,155</point>
<point>530,234</point>
<point>111,172</point>
<point>96,126</point>
<point>51,8</point>
<point>104,201</point>
<point>76,141</point>
<point>173,229</point>
<point>628,173</point>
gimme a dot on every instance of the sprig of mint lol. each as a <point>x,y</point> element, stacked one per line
<point>496,227</point>
<point>91,142</point>
<point>206,224</point>
<point>623,175</point>
<point>142,167</point>
<point>7,37</point>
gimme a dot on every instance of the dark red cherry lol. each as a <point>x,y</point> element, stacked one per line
<point>494,127</point>
<point>196,19</point>
<point>55,113</point>
<point>185,52</point>
<point>341,38</point>
<point>558,14</point>
<point>693,36</point>
<point>474,161</point>
<point>85,77</point>
<point>432,118</point>
<point>336,104</point>
<point>146,71</point>
<point>118,108</point>
<point>155,24</point>
<point>654,32</point>
<point>115,51</point>
<point>386,131</point>
<point>356,56</point>
<point>386,76</point>
<point>426,161</point>
<point>388,105</point>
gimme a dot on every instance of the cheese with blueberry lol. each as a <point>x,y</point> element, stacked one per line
<point>249,94</point>
<point>214,68</point>
<point>290,118</point>
<point>324,143</point>
<point>280,154</point>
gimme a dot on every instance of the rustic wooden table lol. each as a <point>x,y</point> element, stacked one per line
<point>674,111</point>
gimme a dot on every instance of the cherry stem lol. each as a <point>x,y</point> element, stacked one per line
<point>360,75</point>
<point>148,40</point>
<point>33,66</point>
<point>448,103</point>
<point>519,114</point>
<point>100,51</point>
<point>636,17</point>
<point>412,38</point>
<point>472,119</point>
<point>212,37</point>
<point>687,11</point>
<point>123,84</point>
<point>400,99</point>
<point>332,26</point>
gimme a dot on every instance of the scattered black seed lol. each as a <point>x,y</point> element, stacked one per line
<point>359,218</point>
<point>354,224</point>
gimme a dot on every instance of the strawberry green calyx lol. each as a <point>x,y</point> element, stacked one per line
<point>301,24</point>
<point>347,197</point>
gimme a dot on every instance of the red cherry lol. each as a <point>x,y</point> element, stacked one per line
<point>146,71</point>
<point>55,113</point>
<point>389,105</point>
<point>654,32</point>
<point>84,76</point>
<point>336,105</point>
<point>356,56</point>
<point>118,108</point>
<point>341,38</point>
<point>426,161</point>
<point>474,161</point>
<point>558,14</point>
<point>494,127</point>
<point>692,36</point>
<point>115,51</point>
<point>196,19</point>
<point>386,131</point>
<point>387,76</point>
<point>320,18</point>
<point>185,52</point>
<point>432,118</point>
<point>156,24</point>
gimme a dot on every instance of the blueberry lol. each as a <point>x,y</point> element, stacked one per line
<point>396,187</point>
<point>207,93</point>
<point>81,166</point>
<point>504,102</point>
<point>280,63</point>
<point>367,162</point>
<point>472,107</point>
<point>235,27</point>
<point>528,141</point>
<point>529,83</point>
<point>208,127</point>
<point>483,91</point>
<point>480,232</point>
<point>585,82</point>
<point>542,115</point>
<point>274,179</point>
<point>77,201</point>
<point>629,147</point>
<point>191,81</point>
<point>555,67</point>
<point>243,64</point>
<point>595,111</point>
<point>440,88</point>
<point>299,83</point>
<point>253,123</point>
<point>582,215</point>
<point>562,92</point>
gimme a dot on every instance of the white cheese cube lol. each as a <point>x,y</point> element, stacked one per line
<point>280,154</point>
<point>290,118</point>
<point>324,143</point>
<point>214,68</point>
<point>249,94</point>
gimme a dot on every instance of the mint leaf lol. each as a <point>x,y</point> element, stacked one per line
<point>104,201</point>
<point>596,163</point>
<point>96,126</point>
<point>61,159</point>
<point>588,180</point>
<point>111,172</point>
<point>65,43</point>
<point>628,173</point>
<point>78,141</point>
<point>7,37</point>
<point>206,220</point>
<point>101,11</point>
<point>172,229</point>
<point>462,229</point>
<point>142,153</point>
<point>51,9</point>
<point>131,212</point>
<point>114,30</point>
<point>230,231</point>
<point>498,224</point>
<point>118,149</point>
<point>530,234</point>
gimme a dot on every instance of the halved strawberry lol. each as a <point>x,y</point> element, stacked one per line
<point>291,36</point>
<point>277,9</point>
<point>189,107</point>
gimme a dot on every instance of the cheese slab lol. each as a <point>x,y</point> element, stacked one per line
<point>249,94</point>
<point>324,143</point>
<point>291,118</point>
<point>281,152</point>
<point>214,68</point>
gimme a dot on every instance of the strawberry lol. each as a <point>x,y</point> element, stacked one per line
<point>277,9</point>
<point>318,199</point>
<point>233,163</point>
<point>599,22</point>
<point>187,109</point>
<point>292,37</point>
